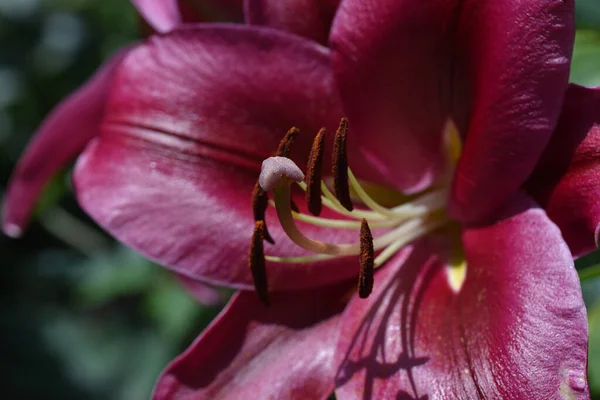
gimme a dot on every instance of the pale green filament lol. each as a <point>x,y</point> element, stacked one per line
<point>408,222</point>
<point>338,223</point>
<point>369,202</point>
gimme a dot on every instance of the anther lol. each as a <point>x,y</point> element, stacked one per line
<point>313,174</point>
<point>340,166</point>
<point>286,143</point>
<point>365,277</point>
<point>256,261</point>
<point>284,149</point>
<point>260,202</point>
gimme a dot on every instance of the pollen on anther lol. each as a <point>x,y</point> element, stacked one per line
<point>284,149</point>
<point>313,173</point>
<point>256,261</point>
<point>286,143</point>
<point>260,202</point>
<point>365,277</point>
<point>340,166</point>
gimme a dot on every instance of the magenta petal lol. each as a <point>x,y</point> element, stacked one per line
<point>161,15</point>
<point>253,352</point>
<point>308,18</point>
<point>516,329</point>
<point>205,294</point>
<point>567,179</point>
<point>165,15</point>
<point>387,62</point>
<point>182,143</point>
<point>517,55</point>
<point>63,134</point>
<point>497,69</point>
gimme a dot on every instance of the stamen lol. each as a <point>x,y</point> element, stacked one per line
<point>260,201</point>
<point>284,149</point>
<point>365,277</point>
<point>281,186</point>
<point>286,143</point>
<point>330,201</point>
<point>408,221</point>
<point>313,174</point>
<point>368,200</point>
<point>256,261</point>
<point>300,259</point>
<point>340,223</point>
<point>412,230</point>
<point>340,166</point>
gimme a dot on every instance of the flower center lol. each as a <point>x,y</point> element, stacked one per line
<point>395,226</point>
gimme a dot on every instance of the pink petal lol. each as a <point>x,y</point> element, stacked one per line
<point>160,15</point>
<point>165,15</point>
<point>205,294</point>
<point>308,18</point>
<point>190,118</point>
<point>252,352</point>
<point>63,134</point>
<point>567,179</point>
<point>516,329</point>
<point>387,61</point>
<point>497,69</point>
<point>518,56</point>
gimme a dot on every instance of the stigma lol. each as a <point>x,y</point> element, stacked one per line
<point>394,227</point>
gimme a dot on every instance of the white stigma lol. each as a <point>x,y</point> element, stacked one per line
<point>274,169</point>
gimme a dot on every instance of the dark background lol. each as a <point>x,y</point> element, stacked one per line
<point>82,317</point>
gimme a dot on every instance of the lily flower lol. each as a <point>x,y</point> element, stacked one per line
<point>467,288</point>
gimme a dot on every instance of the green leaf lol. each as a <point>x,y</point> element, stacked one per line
<point>588,13</point>
<point>589,273</point>
<point>115,274</point>
<point>594,349</point>
<point>585,67</point>
<point>172,308</point>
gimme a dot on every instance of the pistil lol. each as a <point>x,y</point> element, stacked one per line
<point>260,200</point>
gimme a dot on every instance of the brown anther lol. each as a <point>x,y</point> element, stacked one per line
<point>340,166</point>
<point>260,202</point>
<point>313,173</point>
<point>286,143</point>
<point>284,149</point>
<point>256,260</point>
<point>367,261</point>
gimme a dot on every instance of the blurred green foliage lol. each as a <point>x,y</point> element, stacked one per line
<point>585,69</point>
<point>82,317</point>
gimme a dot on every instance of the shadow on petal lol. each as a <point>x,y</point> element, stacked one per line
<point>399,298</point>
